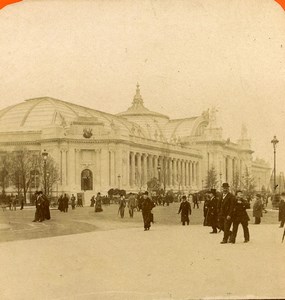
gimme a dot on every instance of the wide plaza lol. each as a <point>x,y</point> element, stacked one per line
<point>83,255</point>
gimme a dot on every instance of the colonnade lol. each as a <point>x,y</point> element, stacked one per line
<point>171,172</point>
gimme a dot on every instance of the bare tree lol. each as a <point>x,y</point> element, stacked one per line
<point>52,172</point>
<point>211,179</point>
<point>23,162</point>
<point>248,184</point>
<point>5,167</point>
<point>236,181</point>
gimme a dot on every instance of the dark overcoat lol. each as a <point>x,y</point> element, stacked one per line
<point>147,205</point>
<point>211,212</point>
<point>225,208</point>
<point>257,208</point>
<point>185,209</point>
<point>239,211</point>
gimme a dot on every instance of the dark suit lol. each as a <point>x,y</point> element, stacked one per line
<point>225,209</point>
<point>147,206</point>
<point>185,209</point>
<point>210,213</point>
<point>240,216</point>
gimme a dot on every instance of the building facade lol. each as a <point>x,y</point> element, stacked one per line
<point>95,151</point>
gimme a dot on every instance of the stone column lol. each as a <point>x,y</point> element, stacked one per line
<point>77,167</point>
<point>139,170</point>
<point>187,173</point>
<point>155,166</point>
<point>119,174</point>
<point>174,173</point>
<point>105,170</point>
<point>64,167</point>
<point>126,166</point>
<point>144,169</point>
<point>170,171</point>
<point>133,168</point>
<point>193,173</point>
<point>182,174</point>
<point>179,181</point>
<point>150,166</point>
<point>190,173</point>
<point>198,174</point>
<point>98,169</point>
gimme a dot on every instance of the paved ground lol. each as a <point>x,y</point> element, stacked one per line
<point>116,259</point>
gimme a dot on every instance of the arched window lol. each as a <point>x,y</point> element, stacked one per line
<point>34,179</point>
<point>200,130</point>
<point>86,180</point>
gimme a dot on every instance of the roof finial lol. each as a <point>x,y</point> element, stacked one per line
<point>138,98</point>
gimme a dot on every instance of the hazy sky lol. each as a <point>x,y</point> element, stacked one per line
<point>186,55</point>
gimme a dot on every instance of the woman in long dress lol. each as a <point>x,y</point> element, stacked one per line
<point>122,205</point>
<point>98,203</point>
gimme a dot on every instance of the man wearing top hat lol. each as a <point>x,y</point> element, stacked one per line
<point>210,210</point>
<point>225,210</point>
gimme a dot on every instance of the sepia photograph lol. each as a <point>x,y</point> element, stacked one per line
<point>142,149</point>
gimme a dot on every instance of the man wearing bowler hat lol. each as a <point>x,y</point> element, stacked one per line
<point>225,210</point>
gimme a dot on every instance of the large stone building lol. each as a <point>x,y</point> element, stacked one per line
<point>96,151</point>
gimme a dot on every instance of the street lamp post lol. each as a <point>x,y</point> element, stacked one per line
<point>45,156</point>
<point>274,142</point>
<point>221,181</point>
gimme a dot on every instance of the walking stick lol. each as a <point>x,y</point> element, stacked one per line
<point>283,235</point>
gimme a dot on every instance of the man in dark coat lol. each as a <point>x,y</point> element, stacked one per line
<point>281,216</point>
<point>39,208</point>
<point>257,208</point>
<point>65,203</point>
<point>45,206</point>
<point>240,216</point>
<point>210,211</point>
<point>185,209</point>
<point>225,209</point>
<point>147,205</point>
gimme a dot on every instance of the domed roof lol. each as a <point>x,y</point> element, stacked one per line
<point>138,108</point>
<point>38,113</point>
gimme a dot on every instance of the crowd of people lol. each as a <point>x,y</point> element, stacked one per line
<point>227,211</point>
<point>222,211</point>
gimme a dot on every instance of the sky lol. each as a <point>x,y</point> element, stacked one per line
<point>186,55</point>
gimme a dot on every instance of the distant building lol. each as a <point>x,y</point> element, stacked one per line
<point>96,151</point>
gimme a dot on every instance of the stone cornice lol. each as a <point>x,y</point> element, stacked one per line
<point>108,141</point>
